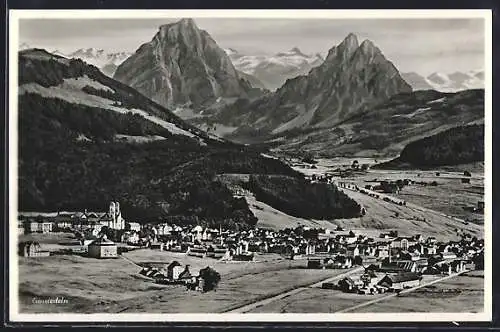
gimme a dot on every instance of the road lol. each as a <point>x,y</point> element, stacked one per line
<point>262,302</point>
<point>391,295</point>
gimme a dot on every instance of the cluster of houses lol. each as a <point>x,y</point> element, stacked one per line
<point>39,222</point>
<point>394,263</point>
<point>175,274</point>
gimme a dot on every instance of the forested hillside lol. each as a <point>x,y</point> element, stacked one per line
<point>459,145</point>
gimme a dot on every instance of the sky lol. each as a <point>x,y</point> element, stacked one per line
<point>420,45</point>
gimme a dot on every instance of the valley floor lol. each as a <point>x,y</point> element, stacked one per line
<point>271,284</point>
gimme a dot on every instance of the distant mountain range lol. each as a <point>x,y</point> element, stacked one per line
<point>274,70</point>
<point>107,62</point>
<point>329,108</point>
<point>453,82</point>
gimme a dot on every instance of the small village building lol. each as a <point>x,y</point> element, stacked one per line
<point>347,285</point>
<point>102,248</point>
<point>369,278</point>
<point>353,250</point>
<point>218,252</point>
<point>448,255</point>
<point>174,270</point>
<point>315,263</point>
<point>31,249</point>
<point>133,226</point>
<point>246,257</point>
<point>406,265</point>
<point>310,249</point>
<point>197,251</point>
<point>400,281</point>
<point>196,233</point>
<point>402,242</point>
<point>130,237</point>
<point>20,227</point>
<point>343,262</point>
<point>157,245</point>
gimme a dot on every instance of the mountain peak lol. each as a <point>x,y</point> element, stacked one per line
<point>367,46</point>
<point>187,21</point>
<point>345,49</point>
<point>296,50</point>
<point>181,25</point>
<point>350,42</point>
<point>182,65</point>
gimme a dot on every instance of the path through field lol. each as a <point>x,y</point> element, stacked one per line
<point>251,306</point>
<point>409,290</point>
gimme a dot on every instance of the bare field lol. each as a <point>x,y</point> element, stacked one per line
<point>315,300</point>
<point>464,293</point>
<point>407,220</point>
<point>439,205</point>
<point>93,285</point>
<point>450,196</point>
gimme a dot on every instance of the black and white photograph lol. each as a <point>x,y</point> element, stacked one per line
<point>250,165</point>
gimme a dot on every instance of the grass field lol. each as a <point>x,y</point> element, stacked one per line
<point>464,293</point>
<point>446,200</point>
<point>384,216</point>
<point>459,294</point>
<point>93,285</point>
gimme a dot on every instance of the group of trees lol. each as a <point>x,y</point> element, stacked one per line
<point>210,277</point>
<point>299,198</point>
<point>55,115</point>
<point>457,145</point>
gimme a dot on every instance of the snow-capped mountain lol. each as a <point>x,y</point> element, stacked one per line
<point>443,82</point>
<point>274,70</point>
<point>106,61</point>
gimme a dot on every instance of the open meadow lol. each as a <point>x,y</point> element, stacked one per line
<point>431,210</point>
<point>113,285</point>
<point>464,293</point>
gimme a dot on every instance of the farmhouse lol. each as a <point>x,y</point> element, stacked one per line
<point>102,248</point>
<point>347,285</point>
<point>133,226</point>
<point>32,249</point>
<point>400,281</point>
<point>174,270</point>
<point>218,252</point>
<point>197,251</point>
<point>315,263</point>
<point>40,226</point>
<point>20,227</point>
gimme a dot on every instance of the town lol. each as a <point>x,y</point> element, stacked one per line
<point>385,263</point>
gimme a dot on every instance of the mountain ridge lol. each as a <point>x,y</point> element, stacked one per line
<point>182,66</point>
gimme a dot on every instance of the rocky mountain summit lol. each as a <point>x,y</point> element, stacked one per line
<point>353,77</point>
<point>182,66</point>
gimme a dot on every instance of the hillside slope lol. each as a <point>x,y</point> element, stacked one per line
<point>455,146</point>
<point>385,129</point>
<point>86,139</point>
